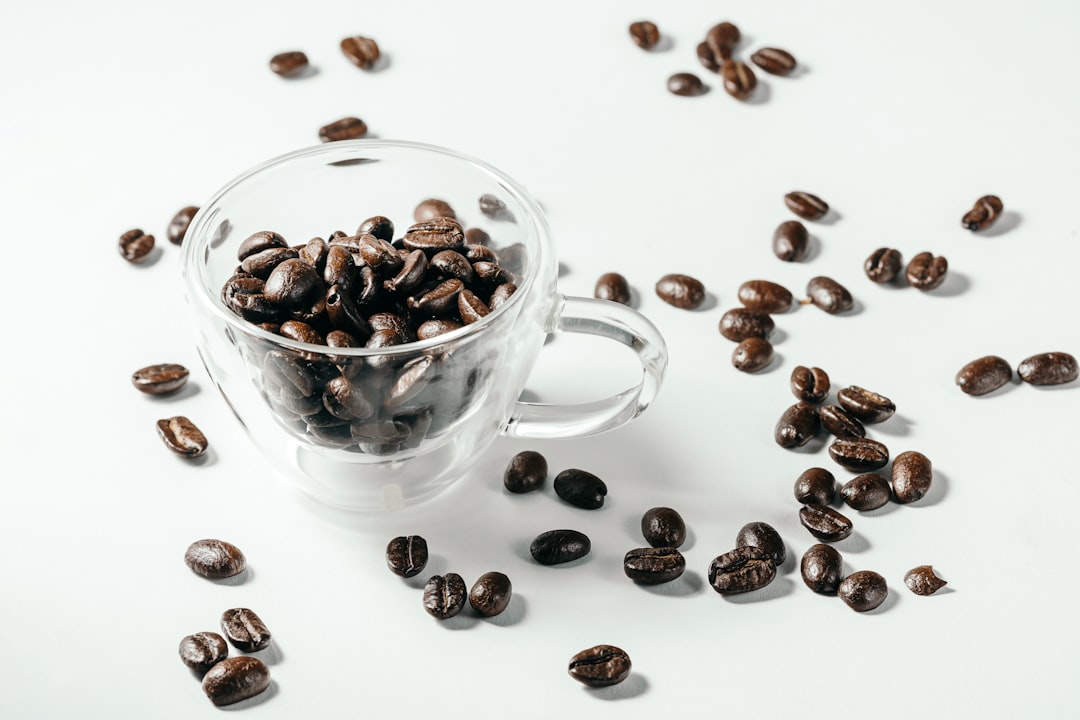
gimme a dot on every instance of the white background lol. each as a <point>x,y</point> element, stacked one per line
<point>115,115</point>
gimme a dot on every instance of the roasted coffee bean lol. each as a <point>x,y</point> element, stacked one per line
<point>815,486</point>
<point>203,650</point>
<point>411,380</point>
<point>867,406</point>
<point>645,34</point>
<point>479,253</point>
<point>653,565</point>
<point>452,264</point>
<point>922,580</point>
<point>555,547</point>
<point>500,295</point>
<point>764,537</point>
<point>338,266</point>
<point>409,277</point>
<point>822,568</point>
<point>912,475</point>
<point>797,425</point>
<point>926,271</point>
<point>614,287</point>
<point>752,354</point>
<point>722,39</point>
<point>824,523</point>
<point>245,630</point>
<point>315,252</point>
<point>363,52</point>
<point>663,527</point>
<point>292,283</point>
<point>883,265</point>
<point>490,594</point>
<point>182,436</point>
<point>445,595</point>
<point>685,84</point>
<point>984,375</point>
<point>235,679</point>
<point>432,208</point>
<point>343,398</point>
<point>600,666</point>
<point>741,570</point>
<point>863,591</point>
<point>301,332</point>
<point>380,226</point>
<point>393,322</point>
<point>347,128</point>
<point>791,241</point>
<point>407,555</point>
<point>435,327</point>
<point>341,339</point>
<point>739,79</point>
<point>179,224</point>
<point>1050,368</point>
<point>708,58</point>
<point>489,273</point>
<point>476,236</point>
<point>809,384</point>
<point>442,233</point>
<point>983,214</point>
<point>345,315</point>
<point>214,559</point>
<point>471,308</point>
<point>868,491</point>
<point>580,488</point>
<point>859,454</point>
<point>829,295</point>
<point>805,205</point>
<point>681,291</point>
<point>439,300</point>
<point>289,64</point>
<point>774,61</point>
<point>840,422</point>
<point>261,264</point>
<point>765,296</point>
<point>493,207</point>
<point>526,472</point>
<point>135,245</point>
<point>258,242</point>
<point>160,379</point>
<point>739,323</point>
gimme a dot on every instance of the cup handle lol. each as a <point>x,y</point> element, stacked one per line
<point>610,320</point>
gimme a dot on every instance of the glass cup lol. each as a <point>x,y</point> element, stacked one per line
<point>368,428</point>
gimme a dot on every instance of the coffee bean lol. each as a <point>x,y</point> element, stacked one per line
<point>432,208</point>
<point>863,591</point>
<point>135,245</point>
<point>580,488</point>
<point>347,128</point>
<point>764,537</point>
<point>476,236</point>
<point>490,594</point>
<point>261,264</point>
<point>868,491</point>
<point>445,595</point>
<point>741,570</point>
<point>739,323</point>
<point>722,39</point>
<point>452,264</point>
<point>824,523</point>
<point>815,486</point>
<point>922,580</point>
<point>182,436</point>
<point>442,233</point>
<point>555,547</point>
<point>867,406</point>
<point>471,308</point>
<point>1050,368</point>
<point>708,58</point>
<point>203,650</point>
<point>245,630</point>
<point>685,84</point>
<point>289,64</point>
<point>645,34</point>
<point>752,354</point>
<point>791,241</point>
<point>614,287</point>
<point>235,679</point>
<point>160,379</point>
<point>984,375</point>
<point>500,295</point>
<point>926,272</point>
<point>435,327</point>
<point>765,296</point>
<point>859,454</point>
<point>493,207</point>
<point>806,205</point>
<point>653,565</point>
<point>822,568</point>
<point>363,52</point>
<point>600,666</point>
<point>258,242</point>
<point>526,472</point>
<point>797,426</point>
<point>380,226</point>
<point>829,295</point>
<point>840,422</point>
<point>301,332</point>
<point>739,79</point>
<point>809,384</point>
<point>214,559</point>
<point>407,555</point>
<point>681,291</point>
<point>179,224</point>
<point>774,61</point>
<point>883,265</point>
<point>663,527</point>
<point>911,476</point>
<point>292,283</point>
<point>983,214</point>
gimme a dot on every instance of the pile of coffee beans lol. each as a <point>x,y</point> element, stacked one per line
<point>988,373</point>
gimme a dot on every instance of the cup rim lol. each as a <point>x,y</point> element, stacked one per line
<point>189,267</point>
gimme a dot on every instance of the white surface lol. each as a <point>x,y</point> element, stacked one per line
<point>115,117</point>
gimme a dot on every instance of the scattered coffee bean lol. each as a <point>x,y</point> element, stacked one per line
<point>824,523</point>
<point>645,34</point>
<point>863,590</point>
<point>555,547</point>
<point>681,291</point>
<point>685,84</point>
<point>289,64</point>
<point>203,650</point>
<point>805,205</point>
<point>740,323</point>
<point>135,245</point>
<point>822,568</point>
<point>765,296</point>
<point>984,375</point>
<point>983,214</point>
<point>829,295</point>
<point>614,287</point>
<point>663,527</point>
<point>752,354</point>
<point>363,52</point>
<point>490,594</point>
<point>580,488</point>
<point>739,79</point>
<point>214,559</point>
<point>380,226</point>
<point>859,454</point>
<point>708,58</point>
<point>840,422</point>
<point>911,476</point>
<point>722,39</point>
<point>182,437</point>
<point>445,595</point>
<point>179,224</point>
<point>809,384</point>
<point>922,580</point>
<point>526,472</point>
<point>741,570</point>
<point>883,265</point>
<point>791,241</point>
<point>797,426</point>
<point>774,61</point>
<point>815,486</point>
<point>245,630</point>
<point>653,565</point>
<point>926,271</point>
<point>1050,368</point>
<point>407,555</point>
<point>868,491</point>
<point>600,666</point>
<point>347,128</point>
<point>493,207</point>
<point>764,537</point>
<point>235,679</point>
<point>160,379</point>
<point>433,208</point>
<point>867,406</point>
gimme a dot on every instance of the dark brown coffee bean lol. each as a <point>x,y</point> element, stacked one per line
<point>645,34</point>
<point>600,666</point>
<point>806,205</point>
<point>432,208</point>
<point>685,84</point>
<point>493,207</point>
<point>822,568</point>
<point>440,300</point>
<point>411,380</point>
<point>490,594</point>
<point>868,491</point>
<point>752,354</point>
<point>470,307</point>
<point>445,595</point>
<point>681,291</point>
<point>412,272</point>
<point>797,426</point>
<point>160,379</point>
<point>526,472</point>
<point>1050,368</point>
<point>984,375</point>
<point>722,39</point>
<point>338,266</point>
<point>345,399</point>
<point>245,630</point>
<point>739,79</point>
<point>341,339</point>
<point>764,537</point>
<point>859,454</point>
<point>774,61</point>
<point>741,570</point>
<point>867,406</point>
<point>983,214</point>
<point>824,523</point>
<point>452,264</point>
<point>398,324</point>
<point>407,555</point>
<point>740,323</point>
<point>292,283</point>
<point>479,253</point>
<point>765,296</point>
<point>653,565</point>
<point>614,287</point>
<point>829,295</point>
<point>182,437</point>
<point>441,233</point>
<point>809,384</point>
<point>301,332</point>
<point>345,315</point>
<point>912,475</point>
<point>708,58</point>
<point>315,252</point>
<point>378,225</point>
<point>926,271</point>
<point>289,64</point>
<point>840,422</point>
<point>863,591</point>
<point>203,650</point>
<point>476,236</point>
<point>363,52</point>
<point>922,580</point>
<point>261,264</point>
<point>555,547</point>
<point>258,242</point>
<point>235,679</point>
<point>179,224</point>
<point>815,486</point>
<point>500,295</point>
<point>347,128</point>
<point>491,274</point>
<point>883,265</point>
<point>663,527</point>
<point>435,327</point>
<point>791,241</point>
<point>214,559</point>
<point>580,488</point>
<point>135,245</point>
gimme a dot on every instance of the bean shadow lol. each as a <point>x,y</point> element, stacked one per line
<point>665,44</point>
<point>956,283</point>
<point>891,601</point>
<point>512,615</point>
<point>189,390</point>
<point>207,459</point>
<point>776,589</point>
<point>1054,388</point>
<point>813,247</point>
<point>151,257</point>
<point>309,71</point>
<point>563,270</point>
<point>856,308</point>
<point>831,218</point>
<point>271,654</point>
<point>814,445</point>
<point>239,579</point>
<point>799,71</point>
<point>464,620</point>
<point>631,687</point>
<point>895,426</point>
<point>709,303</point>
<point>887,509</point>
<point>1009,220</point>
<point>686,585</point>
<point>436,565</point>
<point>856,542</point>
<point>774,365</point>
<point>939,488</point>
<point>264,696</point>
<point>761,94</point>
<point>382,64</point>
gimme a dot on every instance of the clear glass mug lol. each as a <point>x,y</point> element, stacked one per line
<point>429,408</point>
